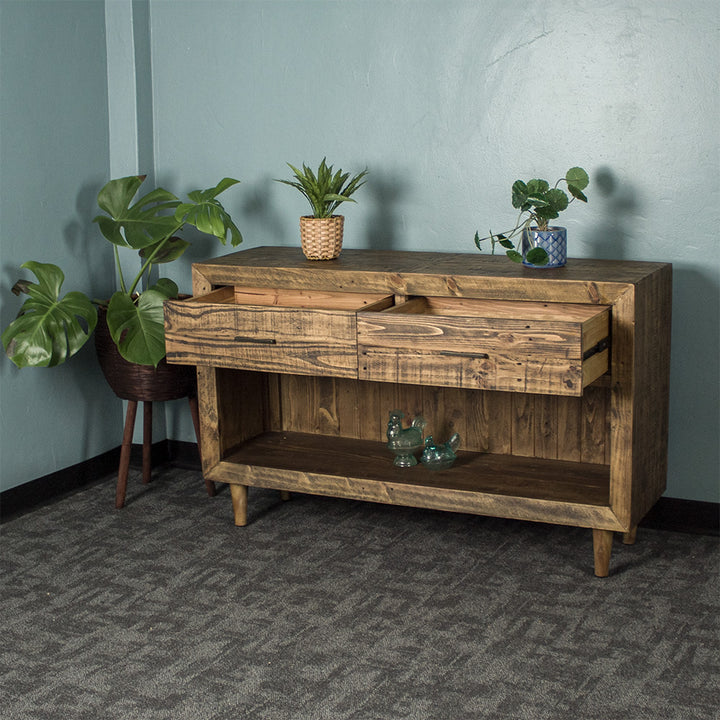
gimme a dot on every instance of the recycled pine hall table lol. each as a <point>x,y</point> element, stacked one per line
<point>556,379</point>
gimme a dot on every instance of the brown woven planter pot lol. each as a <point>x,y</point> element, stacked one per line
<point>145,383</point>
<point>321,237</point>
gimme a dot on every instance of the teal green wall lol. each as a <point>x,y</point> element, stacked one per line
<point>53,160</point>
<point>445,102</point>
<point>448,103</point>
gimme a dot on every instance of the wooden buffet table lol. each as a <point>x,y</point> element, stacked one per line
<point>556,380</point>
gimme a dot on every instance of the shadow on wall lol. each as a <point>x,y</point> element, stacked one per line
<point>85,242</point>
<point>259,210</point>
<point>380,195</point>
<point>91,250</point>
<point>694,390</point>
<point>383,225</point>
<point>619,202</point>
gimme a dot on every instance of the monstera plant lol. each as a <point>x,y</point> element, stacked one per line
<point>49,328</point>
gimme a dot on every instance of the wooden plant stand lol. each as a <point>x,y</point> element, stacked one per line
<point>557,381</point>
<point>126,447</point>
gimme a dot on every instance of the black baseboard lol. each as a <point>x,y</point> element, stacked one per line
<point>28,496</point>
<point>689,516</point>
<point>674,514</point>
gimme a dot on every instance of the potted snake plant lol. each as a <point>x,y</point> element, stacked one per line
<point>321,234</point>
<point>49,329</point>
<point>537,244</point>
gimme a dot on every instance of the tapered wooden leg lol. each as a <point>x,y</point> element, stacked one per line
<point>147,442</point>
<point>602,547</point>
<point>209,484</point>
<point>630,536</point>
<point>125,454</point>
<point>239,495</point>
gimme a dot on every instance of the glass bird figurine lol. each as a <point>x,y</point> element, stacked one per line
<point>440,457</point>
<point>405,443</point>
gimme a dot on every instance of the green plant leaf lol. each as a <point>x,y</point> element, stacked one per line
<point>47,330</point>
<point>207,214</point>
<point>115,197</point>
<point>577,177</point>
<point>537,201</point>
<point>519,194</point>
<point>138,328</point>
<point>324,190</point>
<point>167,251</point>
<point>537,187</point>
<point>557,199</point>
<point>139,225</point>
<point>514,255</point>
<point>545,213</point>
<point>537,256</point>
<point>167,287</point>
<point>577,193</point>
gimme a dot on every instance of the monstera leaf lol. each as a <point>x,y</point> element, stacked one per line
<point>138,225</point>
<point>137,324</point>
<point>208,215</point>
<point>165,251</point>
<point>47,330</point>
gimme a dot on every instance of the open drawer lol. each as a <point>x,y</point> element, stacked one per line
<point>269,329</point>
<point>531,347</point>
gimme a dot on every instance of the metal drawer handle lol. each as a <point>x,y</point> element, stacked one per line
<point>256,340</point>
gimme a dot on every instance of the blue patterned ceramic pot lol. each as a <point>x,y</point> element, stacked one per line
<point>553,241</point>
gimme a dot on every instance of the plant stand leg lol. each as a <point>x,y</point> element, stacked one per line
<point>239,495</point>
<point>125,454</point>
<point>147,442</point>
<point>602,547</point>
<point>194,412</point>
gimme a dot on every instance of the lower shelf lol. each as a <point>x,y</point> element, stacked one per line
<point>525,488</point>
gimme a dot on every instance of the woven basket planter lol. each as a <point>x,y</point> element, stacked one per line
<point>145,383</point>
<point>321,237</point>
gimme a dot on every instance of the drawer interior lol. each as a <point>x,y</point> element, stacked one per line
<point>289,298</point>
<point>504,309</point>
<point>592,321</point>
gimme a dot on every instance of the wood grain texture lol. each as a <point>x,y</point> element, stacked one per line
<point>493,422</point>
<point>313,342</point>
<point>486,344</point>
<point>426,273</point>
<point>602,547</point>
<point>508,373</point>
<point>651,371</point>
<point>578,435</point>
<point>523,488</point>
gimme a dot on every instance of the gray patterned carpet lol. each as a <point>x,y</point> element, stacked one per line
<point>328,609</point>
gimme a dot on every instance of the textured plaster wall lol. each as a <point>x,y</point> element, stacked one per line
<point>53,160</point>
<point>447,103</point>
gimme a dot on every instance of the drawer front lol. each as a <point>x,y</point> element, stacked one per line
<point>277,339</point>
<point>521,347</point>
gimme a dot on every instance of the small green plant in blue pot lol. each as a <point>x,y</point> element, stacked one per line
<point>533,241</point>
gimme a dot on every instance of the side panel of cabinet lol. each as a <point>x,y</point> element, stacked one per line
<point>235,405</point>
<point>639,399</point>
